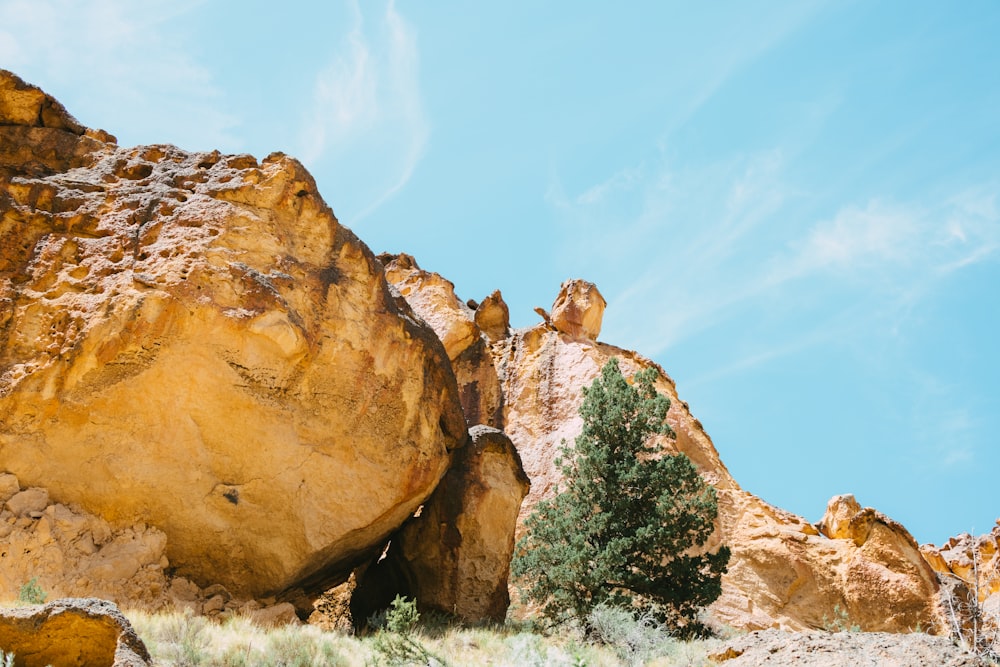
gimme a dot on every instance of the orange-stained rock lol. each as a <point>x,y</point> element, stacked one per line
<point>456,553</point>
<point>433,299</point>
<point>782,572</point>
<point>493,317</point>
<point>191,341</point>
<point>973,560</point>
<point>73,632</point>
<point>835,523</point>
<point>578,310</point>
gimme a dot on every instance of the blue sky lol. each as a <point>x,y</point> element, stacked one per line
<point>792,206</point>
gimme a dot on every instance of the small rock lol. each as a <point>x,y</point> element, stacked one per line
<point>25,502</point>
<point>73,632</point>
<point>275,616</point>
<point>8,486</point>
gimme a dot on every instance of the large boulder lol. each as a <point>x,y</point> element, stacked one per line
<point>578,310</point>
<point>192,341</point>
<point>456,553</point>
<point>84,632</point>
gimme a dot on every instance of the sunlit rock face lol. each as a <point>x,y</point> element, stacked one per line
<point>193,342</point>
<point>783,572</point>
<point>970,570</point>
<point>578,310</point>
<point>457,552</point>
<point>433,298</point>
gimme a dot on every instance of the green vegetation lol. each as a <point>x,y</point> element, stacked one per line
<point>626,528</point>
<point>31,593</point>
<point>395,642</point>
<point>841,621</point>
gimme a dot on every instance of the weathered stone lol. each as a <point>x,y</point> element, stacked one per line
<point>8,487</point>
<point>276,615</point>
<point>201,337</point>
<point>434,300</point>
<point>74,632</point>
<point>456,553</point>
<point>969,569</point>
<point>782,573</point>
<point>493,317</point>
<point>72,553</point>
<point>30,500</point>
<point>835,523</point>
<point>332,610</point>
<point>38,135</point>
<point>578,310</point>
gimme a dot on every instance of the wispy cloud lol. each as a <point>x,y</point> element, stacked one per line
<point>719,243</point>
<point>368,100</point>
<point>126,65</point>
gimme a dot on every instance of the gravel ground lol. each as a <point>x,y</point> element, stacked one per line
<point>776,648</point>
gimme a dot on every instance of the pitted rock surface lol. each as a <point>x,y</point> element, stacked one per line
<point>192,341</point>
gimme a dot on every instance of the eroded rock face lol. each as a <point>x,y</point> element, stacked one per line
<point>493,317</point>
<point>782,572</point>
<point>457,552</point>
<point>578,311</point>
<point>193,342</point>
<point>969,568</point>
<point>433,299</point>
<point>73,553</point>
<point>75,632</point>
<point>870,574</point>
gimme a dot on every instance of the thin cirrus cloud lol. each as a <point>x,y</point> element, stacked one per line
<point>126,65</point>
<point>366,112</point>
<point>730,237</point>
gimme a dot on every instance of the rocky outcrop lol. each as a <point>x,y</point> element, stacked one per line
<point>974,560</point>
<point>493,317</point>
<point>578,310</point>
<point>191,341</point>
<point>71,633</point>
<point>433,299</point>
<point>868,573</point>
<point>456,553</point>
<point>969,570</point>
<point>72,553</point>
<point>782,572</point>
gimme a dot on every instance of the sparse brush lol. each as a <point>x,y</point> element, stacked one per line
<point>31,593</point>
<point>635,639</point>
<point>841,621</point>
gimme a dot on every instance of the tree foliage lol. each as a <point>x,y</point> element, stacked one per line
<point>626,527</point>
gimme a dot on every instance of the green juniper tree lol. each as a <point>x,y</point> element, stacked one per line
<point>627,526</point>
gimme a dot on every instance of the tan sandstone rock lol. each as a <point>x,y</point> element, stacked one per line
<point>969,568</point>
<point>456,553</point>
<point>433,299</point>
<point>71,553</point>
<point>192,341</point>
<point>73,632</point>
<point>493,317</point>
<point>578,311</point>
<point>782,572</point>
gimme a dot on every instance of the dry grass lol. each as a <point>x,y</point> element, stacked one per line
<point>184,640</point>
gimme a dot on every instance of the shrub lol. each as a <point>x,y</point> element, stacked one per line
<point>31,593</point>
<point>625,528</point>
